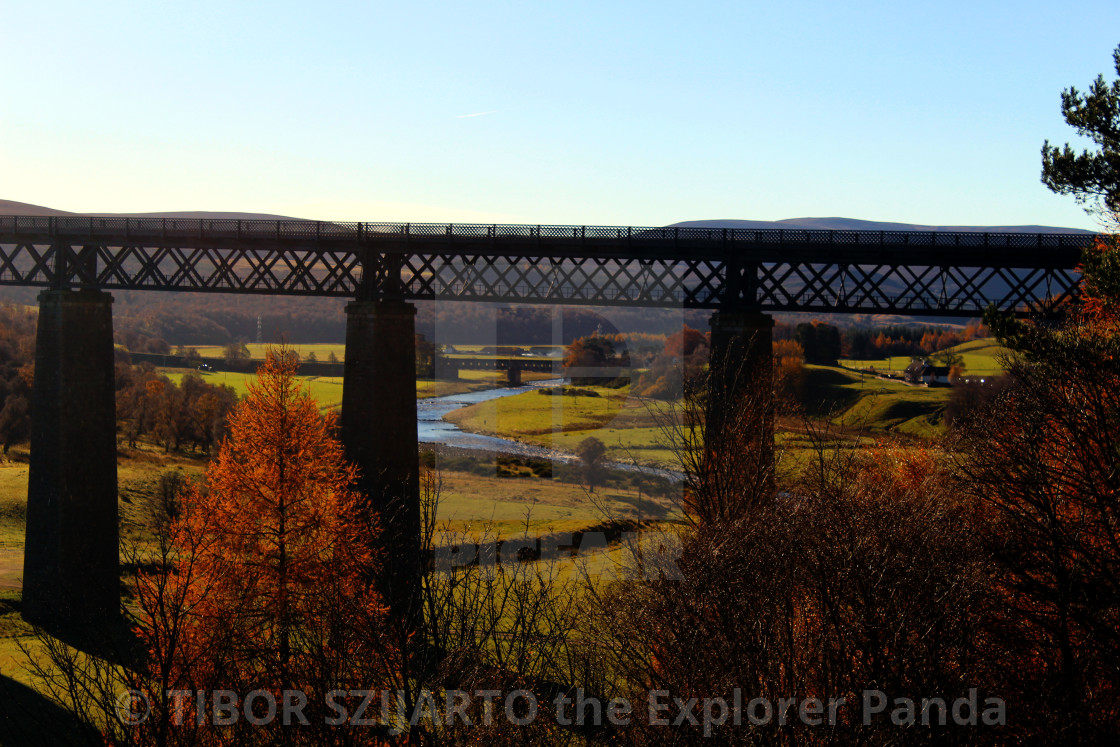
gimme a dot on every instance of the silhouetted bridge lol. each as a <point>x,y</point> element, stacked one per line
<point>891,272</point>
<point>71,562</point>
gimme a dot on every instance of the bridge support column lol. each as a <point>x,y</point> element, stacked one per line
<point>378,430</point>
<point>513,375</point>
<point>740,407</point>
<point>71,573</point>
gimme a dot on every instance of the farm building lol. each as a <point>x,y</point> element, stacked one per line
<point>926,374</point>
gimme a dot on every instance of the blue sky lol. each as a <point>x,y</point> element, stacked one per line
<point>627,113</point>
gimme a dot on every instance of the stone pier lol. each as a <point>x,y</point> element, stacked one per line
<point>378,429</point>
<point>741,393</point>
<point>71,573</point>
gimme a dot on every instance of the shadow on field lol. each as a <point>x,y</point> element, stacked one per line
<point>27,718</point>
<point>825,391</point>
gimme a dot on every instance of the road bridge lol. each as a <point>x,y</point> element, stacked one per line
<point>450,366</point>
<point>71,563</point>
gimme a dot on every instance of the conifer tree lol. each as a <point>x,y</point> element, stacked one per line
<point>1091,176</point>
<point>270,583</point>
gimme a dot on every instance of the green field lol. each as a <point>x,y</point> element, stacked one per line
<point>327,390</point>
<point>981,358</point>
<point>322,350</point>
<point>624,424</point>
<point>861,402</point>
<point>513,505</point>
<point>13,504</point>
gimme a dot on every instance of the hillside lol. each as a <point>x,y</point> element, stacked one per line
<point>11,207</point>
<point>855,224</point>
<point>981,358</point>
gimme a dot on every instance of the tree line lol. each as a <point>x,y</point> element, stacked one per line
<point>188,414</point>
<point>191,413</point>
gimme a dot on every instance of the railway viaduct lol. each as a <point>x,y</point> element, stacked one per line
<point>71,572</point>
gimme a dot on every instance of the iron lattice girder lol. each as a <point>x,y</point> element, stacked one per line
<point>926,273</point>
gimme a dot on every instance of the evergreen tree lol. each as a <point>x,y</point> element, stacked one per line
<point>1092,177</point>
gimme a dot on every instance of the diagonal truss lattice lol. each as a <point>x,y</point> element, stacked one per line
<point>920,273</point>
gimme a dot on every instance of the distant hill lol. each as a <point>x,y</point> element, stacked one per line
<point>855,224</point>
<point>11,207</point>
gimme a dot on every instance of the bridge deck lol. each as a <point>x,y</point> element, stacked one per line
<point>899,272</point>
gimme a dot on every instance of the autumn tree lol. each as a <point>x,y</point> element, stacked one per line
<point>192,412</point>
<point>270,578</point>
<point>819,341</point>
<point>190,355</point>
<point>591,452</point>
<point>720,433</point>
<point>681,361</point>
<point>17,340</point>
<point>861,573</point>
<point>789,374</point>
<point>587,358</point>
<point>236,352</point>
<point>952,360</point>
<point>1041,457</point>
<point>15,420</point>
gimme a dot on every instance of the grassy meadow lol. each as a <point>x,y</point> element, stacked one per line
<point>981,358</point>
<point>327,390</point>
<point>322,350</point>
<point>860,402</point>
<point>625,424</point>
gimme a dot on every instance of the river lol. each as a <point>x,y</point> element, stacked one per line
<point>431,428</point>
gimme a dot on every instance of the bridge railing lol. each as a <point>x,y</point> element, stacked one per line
<point>231,229</point>
<point>797,237</point>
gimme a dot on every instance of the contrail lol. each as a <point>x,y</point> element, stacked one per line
<point>477,114</point>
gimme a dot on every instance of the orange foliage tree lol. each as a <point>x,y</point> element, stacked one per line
<point>585,354</point>
<point>1100,285</point>
<point>1041,457</point>
<point>267,584</point>
<point>681,361</point>
<point>789,374</point>
<point>860,573</point>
